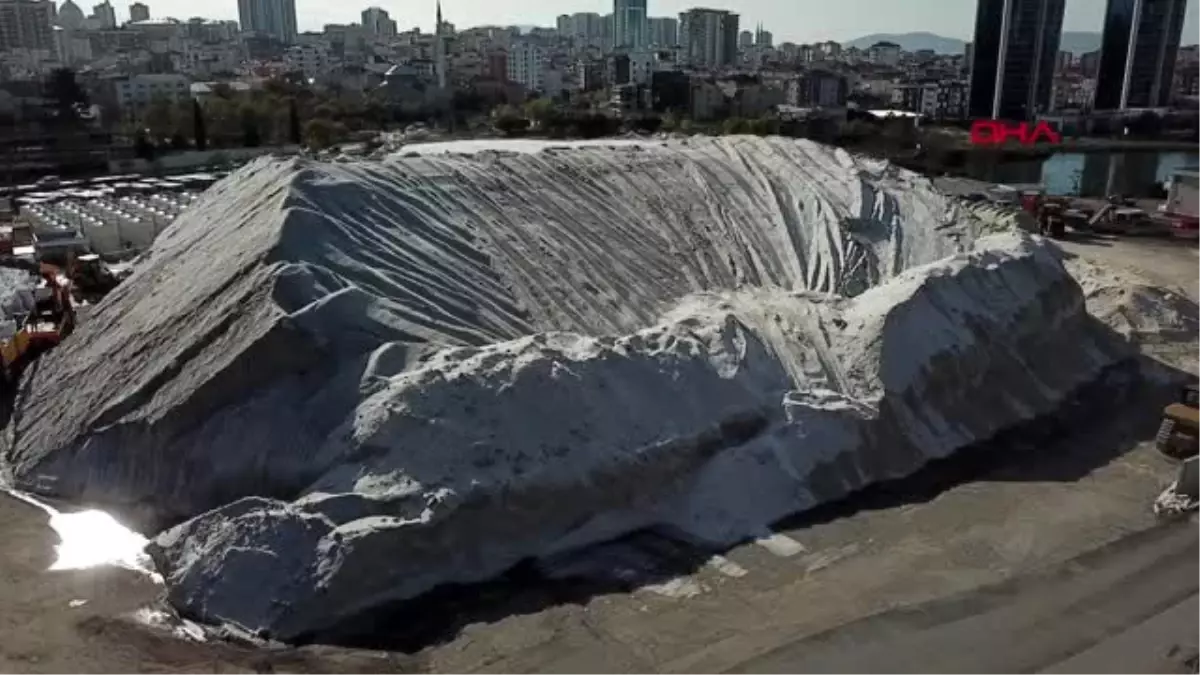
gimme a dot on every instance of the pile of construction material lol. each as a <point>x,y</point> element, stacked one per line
<point>352,382</point>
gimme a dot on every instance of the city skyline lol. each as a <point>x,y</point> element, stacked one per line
<point>800,21</point>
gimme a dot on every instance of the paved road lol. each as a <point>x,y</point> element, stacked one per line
<point>1131,606</point>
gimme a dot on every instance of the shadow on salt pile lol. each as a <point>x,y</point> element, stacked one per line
<point>1098,417</point>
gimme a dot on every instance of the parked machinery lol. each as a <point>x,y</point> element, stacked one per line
<point>91,278</point>
<point>1180,428</point>
<point>1051,221</point>
<point>51,319</point>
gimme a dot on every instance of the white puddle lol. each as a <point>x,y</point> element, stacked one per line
<point>92,538</point>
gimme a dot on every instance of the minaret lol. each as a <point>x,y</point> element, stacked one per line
<point>439,50</point>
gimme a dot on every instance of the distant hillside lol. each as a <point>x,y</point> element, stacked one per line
<point>1074,41</point>
<point>911,42</point>
<point>1079,42</point>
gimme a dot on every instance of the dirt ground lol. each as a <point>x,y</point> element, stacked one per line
<point>1022,508</point>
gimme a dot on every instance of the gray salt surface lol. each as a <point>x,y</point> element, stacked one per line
<point>364,379</point>
<point>12,299</point>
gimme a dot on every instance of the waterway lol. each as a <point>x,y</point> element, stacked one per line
<point>1092,174</point>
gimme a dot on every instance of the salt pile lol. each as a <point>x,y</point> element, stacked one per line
<point>361,380</point>
<point>16,298</point>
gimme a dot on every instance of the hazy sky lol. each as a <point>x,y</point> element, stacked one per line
<point>794,20</point>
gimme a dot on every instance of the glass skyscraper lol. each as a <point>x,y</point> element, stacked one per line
<point>1137,54</point>
<point>629,24</point>
<point>1013,55</point>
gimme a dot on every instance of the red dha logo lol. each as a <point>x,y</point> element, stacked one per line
<point>995,132</point>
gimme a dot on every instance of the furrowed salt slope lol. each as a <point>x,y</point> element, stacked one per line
<point>246,336</point>
<point>733,412</point>
<point>385,376</point>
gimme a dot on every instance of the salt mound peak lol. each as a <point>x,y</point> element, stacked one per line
<point>275,289</point>
<point>387,375</point>
<point>734,411</point>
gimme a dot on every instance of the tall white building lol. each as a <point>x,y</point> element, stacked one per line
<point>26,24</point>
<point>527,64</point>
<point>581,25</point>
<point>663,31</point>
<point>377,23</point>
<point>106,17</point>
<point>312,59</point>
<point>274,18</point>
<point>708,37</point>
<point>763,37</point>
<point>630,29</point>
<point>137,91</point>
<point>884,53</point>
<point>70,17</point>
<point>442,34</point>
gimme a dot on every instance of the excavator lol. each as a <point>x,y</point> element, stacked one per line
<point>47,322</point>
<point>1118,216</point>
<point>1047,211</point>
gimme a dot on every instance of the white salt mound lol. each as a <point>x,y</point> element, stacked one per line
<point>371,378</point>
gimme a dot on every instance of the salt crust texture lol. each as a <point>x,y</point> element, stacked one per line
<point>359,380</point>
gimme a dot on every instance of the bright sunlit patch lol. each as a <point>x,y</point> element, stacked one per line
<point>93,538</point>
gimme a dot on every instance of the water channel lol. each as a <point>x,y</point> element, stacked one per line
<point>1093,174</point>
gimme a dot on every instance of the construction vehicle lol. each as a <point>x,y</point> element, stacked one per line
<point>1031,201</point>
<point>1076,219</point>
<point>91,279</point>
<point>1050,220</point>
<point>1115,219</point>
<point>1180,429</point>
<point>51,319</point>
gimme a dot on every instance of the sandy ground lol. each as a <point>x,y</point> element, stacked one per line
<point>1171,263</point>
<point>1022,514</point>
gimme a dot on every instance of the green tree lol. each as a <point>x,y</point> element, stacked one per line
<point>763,126</point>
<point>199,131</point>
<point>251,134</point>
<point>511,125</point>
<point>647,124</point>
<point>143,148</point>
<point>540,110</point>
<point>505,110</point>
<point>735,125</point>
<point>159,118</point>
<point>222,123</point>
<point>293,123</point>
<point>320,133</point>
<point>64,90</point>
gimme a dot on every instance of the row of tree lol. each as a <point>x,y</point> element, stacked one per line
<point>544,116</point>
<point>280,112</point>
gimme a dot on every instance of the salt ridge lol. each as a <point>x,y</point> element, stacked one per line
<point>382,376</point>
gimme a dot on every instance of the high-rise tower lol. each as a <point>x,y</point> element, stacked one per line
<point>1013,53</point>
<point>1137,53</point>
